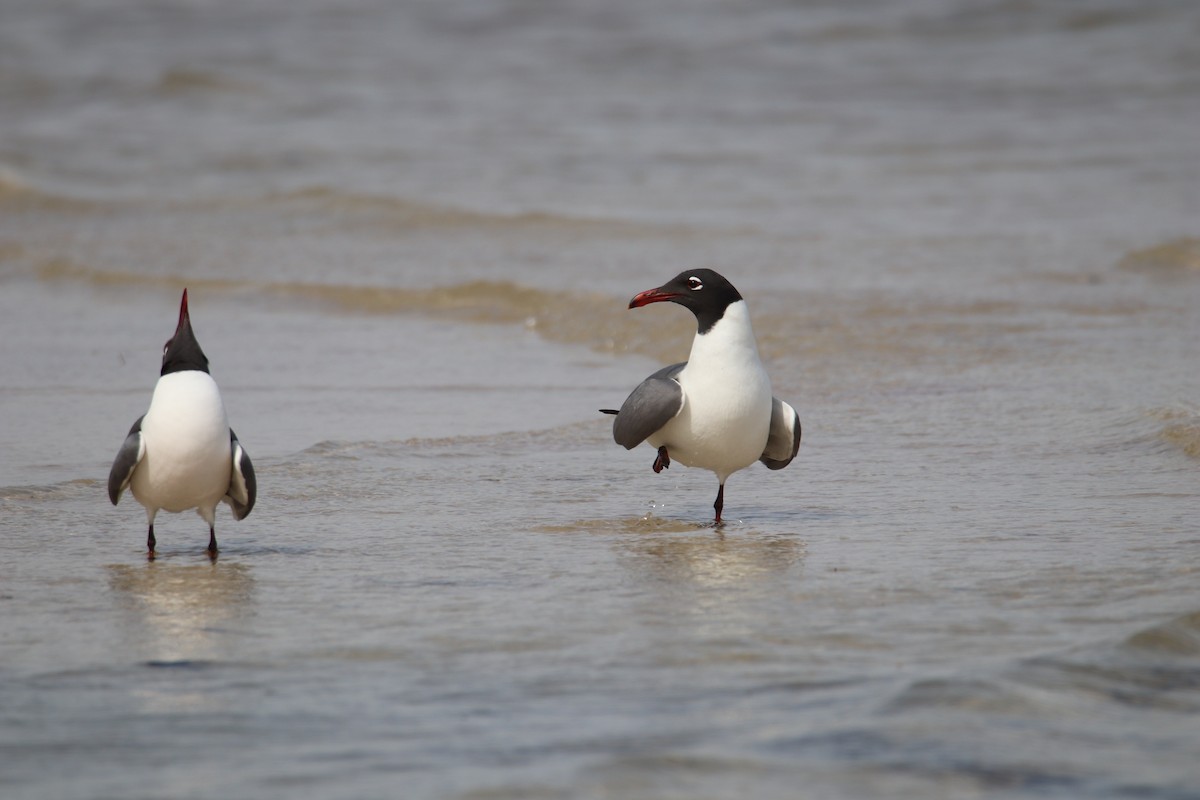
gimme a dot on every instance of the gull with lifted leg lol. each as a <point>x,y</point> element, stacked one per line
<point>715,410</point>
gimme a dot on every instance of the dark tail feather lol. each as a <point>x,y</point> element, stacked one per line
<point>609,411</point>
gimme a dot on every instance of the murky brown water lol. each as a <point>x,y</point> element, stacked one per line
<point>968,238</point>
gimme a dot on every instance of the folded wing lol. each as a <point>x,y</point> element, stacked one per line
<point>130,455</point>
<point>242,485</point>
<point>783,442</point>
<point>651,405</point>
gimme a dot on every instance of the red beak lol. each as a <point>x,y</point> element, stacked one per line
<point>651,296</point>
<point>183,312</point>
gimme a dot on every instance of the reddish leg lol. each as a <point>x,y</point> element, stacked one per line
<point>663,461</point>
<point>720,503</point>
<point>212,543</point>
<point>151,542</point>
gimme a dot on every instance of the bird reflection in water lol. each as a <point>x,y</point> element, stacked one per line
<point>679,551</point>
<point>714,560</point>
<point>182,615</point>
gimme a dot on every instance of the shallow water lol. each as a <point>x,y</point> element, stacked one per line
<point>968,237</point>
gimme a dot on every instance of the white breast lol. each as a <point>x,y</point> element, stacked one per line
<point>186,433</point>
<point>726,412</point>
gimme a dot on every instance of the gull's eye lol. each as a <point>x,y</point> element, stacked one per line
<point>165,346</point>
<point>695,284</point>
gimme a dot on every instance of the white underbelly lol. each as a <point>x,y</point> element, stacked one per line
<point>722,427</point>
<point>188,459</point>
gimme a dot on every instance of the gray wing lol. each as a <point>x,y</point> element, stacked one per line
<point>651,405</point>
<point>126,461</point>
<point>784,440</point>
<point>242,486</point>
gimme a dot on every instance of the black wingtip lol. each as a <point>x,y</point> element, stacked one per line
<point>612,411</point>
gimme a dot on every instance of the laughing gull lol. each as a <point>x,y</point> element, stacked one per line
<point>182,453</point>
<point>715,410</point>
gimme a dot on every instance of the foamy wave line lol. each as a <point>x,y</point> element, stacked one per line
<point>568,435</point>
<point>17,190</point>
<point>400,210</point>
<point>49,492</point>
<point>587,318</point>
<point>11,182</point>
<point>1179,257</point>
<point>371,209</point>
<point>1182,429</point>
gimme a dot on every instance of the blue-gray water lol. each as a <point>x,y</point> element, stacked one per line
<point>969,235</point>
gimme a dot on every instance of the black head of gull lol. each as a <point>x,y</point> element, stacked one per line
<point>702,291</point>
<point>182,352</point>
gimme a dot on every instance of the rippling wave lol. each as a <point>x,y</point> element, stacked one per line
<point>1181,429</point>
<point>1087,697</point>
<point>576,317</point>
<point>1174,258</point>
<point>834,334</point>
<point>1155,668</point>
<point>402,212</point>
<point>563,436</point>
<point>49,492</point>
<point>179,81</point>
<point>19,194</point>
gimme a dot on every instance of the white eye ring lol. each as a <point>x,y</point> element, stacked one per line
<point>695,284</point>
